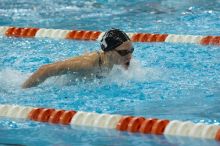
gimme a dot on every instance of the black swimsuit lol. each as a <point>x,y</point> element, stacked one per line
<point>100,59</point>
<point>103,71</point>
<point>99,76</point>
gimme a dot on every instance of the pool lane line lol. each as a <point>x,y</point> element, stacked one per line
<point>127,123</point>
<point>28,32</point>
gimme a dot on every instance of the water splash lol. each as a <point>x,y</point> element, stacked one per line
<point>138,73</point>
<point>12,79</point>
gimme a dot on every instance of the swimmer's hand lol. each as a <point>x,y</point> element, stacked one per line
<point>39,76</point>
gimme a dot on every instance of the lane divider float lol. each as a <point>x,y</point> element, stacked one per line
<point>118,122</point>
<point>26,32</point>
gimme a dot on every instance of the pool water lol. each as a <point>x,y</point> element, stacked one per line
<point>165,80</point>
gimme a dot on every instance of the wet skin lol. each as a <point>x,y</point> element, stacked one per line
<point>84,63</point>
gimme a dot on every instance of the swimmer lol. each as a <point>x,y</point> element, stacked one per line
<point>116,48</point>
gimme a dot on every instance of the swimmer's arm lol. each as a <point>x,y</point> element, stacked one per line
<point>58,68</point>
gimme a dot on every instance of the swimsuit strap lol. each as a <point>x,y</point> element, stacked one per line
<point>100,59</point>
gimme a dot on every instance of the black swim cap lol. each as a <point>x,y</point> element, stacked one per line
<point>112,39</point>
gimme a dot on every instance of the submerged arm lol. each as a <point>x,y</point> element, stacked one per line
<point>78,64</point>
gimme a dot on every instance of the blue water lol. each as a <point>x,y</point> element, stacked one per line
<point>165,80</point>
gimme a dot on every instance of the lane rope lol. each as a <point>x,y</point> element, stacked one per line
<point>118,122</point>
<point>28,32</point>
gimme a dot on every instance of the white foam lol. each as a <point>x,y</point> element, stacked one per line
<point>10,78</point>
<point>136,72</point>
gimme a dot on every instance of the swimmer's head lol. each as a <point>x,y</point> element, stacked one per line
<point>112,39</point>
<point>118,46</point>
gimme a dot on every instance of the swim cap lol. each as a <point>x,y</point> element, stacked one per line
<point>112,39</point>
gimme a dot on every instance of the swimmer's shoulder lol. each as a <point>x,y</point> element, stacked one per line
<point>91,59</point>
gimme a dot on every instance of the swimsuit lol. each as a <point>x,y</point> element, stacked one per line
<point>100,59</point>
<point>99,73</point>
